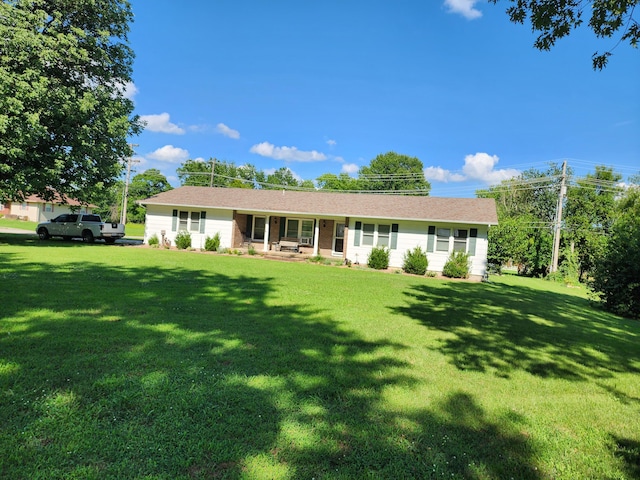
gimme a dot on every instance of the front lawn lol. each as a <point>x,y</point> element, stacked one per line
<point>132,362</point>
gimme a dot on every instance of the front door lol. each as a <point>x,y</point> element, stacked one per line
<point>338,239</point>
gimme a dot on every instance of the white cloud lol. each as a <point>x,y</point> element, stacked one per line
<point>466,8</point>
<point>169,154</point>
<point>439,174</point>
<point>350,168</point>
<point>331,143</point>
<point>160,123</point>
<point>227,132</point>
<point>481,167</point>
<point>129,90</point>
<point>289,154</point>
<point>478,167</point>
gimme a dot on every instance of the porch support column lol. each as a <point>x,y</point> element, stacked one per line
<point>267,224</point>
<point>316,237</point>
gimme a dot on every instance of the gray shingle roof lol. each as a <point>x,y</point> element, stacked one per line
<point>286,202</point>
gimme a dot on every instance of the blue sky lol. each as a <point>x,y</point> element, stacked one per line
<point>324,87</point>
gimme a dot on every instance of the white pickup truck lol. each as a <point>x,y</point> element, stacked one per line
<point>87,226</point>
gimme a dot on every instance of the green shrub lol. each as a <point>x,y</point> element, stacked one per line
<point>457,265</point>
<point>251,249</point>
<point>183,240</point>
<point>212,244</point>
<point>153,240</point>
<point>415,261</point>
<point>378,258</point>
<point>316,259</point>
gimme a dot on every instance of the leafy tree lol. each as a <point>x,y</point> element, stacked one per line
<point>283,177</point>
<point>617,273</point>
<point>394,172</point>
<point>589,215</point>
<point>64,119</point>
<point>109,204</point>
<point>144,185</point>
<point>226,174</point>
<point>554,19</point>
<point>148,183</point>
<point>509,240</point>
<point>526,212</point>
<point>330,181</point>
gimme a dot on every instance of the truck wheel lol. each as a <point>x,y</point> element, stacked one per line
<point>43,233</point>
<point>87,237</point>
<point>110,241</point>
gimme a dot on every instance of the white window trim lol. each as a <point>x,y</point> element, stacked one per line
<point>451,242</point>
<point>376,236</point>
<point>191,223</point>
<point>304,240</point>
<point>253,228</point>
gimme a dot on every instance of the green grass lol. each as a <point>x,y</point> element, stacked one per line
<point>21,224</point>
<point>131,362</point>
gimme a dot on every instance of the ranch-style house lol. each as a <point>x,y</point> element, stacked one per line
<point>343,225</point>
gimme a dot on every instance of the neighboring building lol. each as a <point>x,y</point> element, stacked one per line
<point>345,225</point>
<point>5,209</point>
<point>35,209</point>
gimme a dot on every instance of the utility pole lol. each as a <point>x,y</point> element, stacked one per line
<point>213,168</point>
<point>558,225</point>
<point>125,194</point>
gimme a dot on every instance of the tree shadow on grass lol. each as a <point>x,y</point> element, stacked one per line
<point>629,451</point>
<point>500,328</point>
<point>122,372</point>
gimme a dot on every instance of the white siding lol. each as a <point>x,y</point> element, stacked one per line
<point>412,234</point>
<point>160,218</point>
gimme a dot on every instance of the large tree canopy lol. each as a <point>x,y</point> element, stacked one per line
<point>554,19</point>
<point>617,273</point>
<point>144,185</point>
<point>393,172</point>
<point>64,119</point>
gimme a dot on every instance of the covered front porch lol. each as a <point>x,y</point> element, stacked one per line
<point>286,235</point>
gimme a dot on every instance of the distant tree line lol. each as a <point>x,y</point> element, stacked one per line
<point>388,172</point>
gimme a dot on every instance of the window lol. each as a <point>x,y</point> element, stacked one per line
<point>184,220</point>
<point>460,240</point>
<point>195,221</point>
<point>292,228</point>
<point>259,227</point>
<point>368,231</point>
<point>307,229</point>
<point>48,207</point>
<point>23,206</point>
<point>383,235</point>
<point>300,229</point>
<point>442,240</point>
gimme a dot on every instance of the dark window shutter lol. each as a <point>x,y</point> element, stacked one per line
<point>393,241</point>
<point>356,234</point>
<point>174,221</point>
<point>249,230</point>
<point>473,237</point>
<point>283,227</point>
<point>203,217</point>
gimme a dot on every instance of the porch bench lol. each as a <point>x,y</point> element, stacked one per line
<point>289,244</point>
